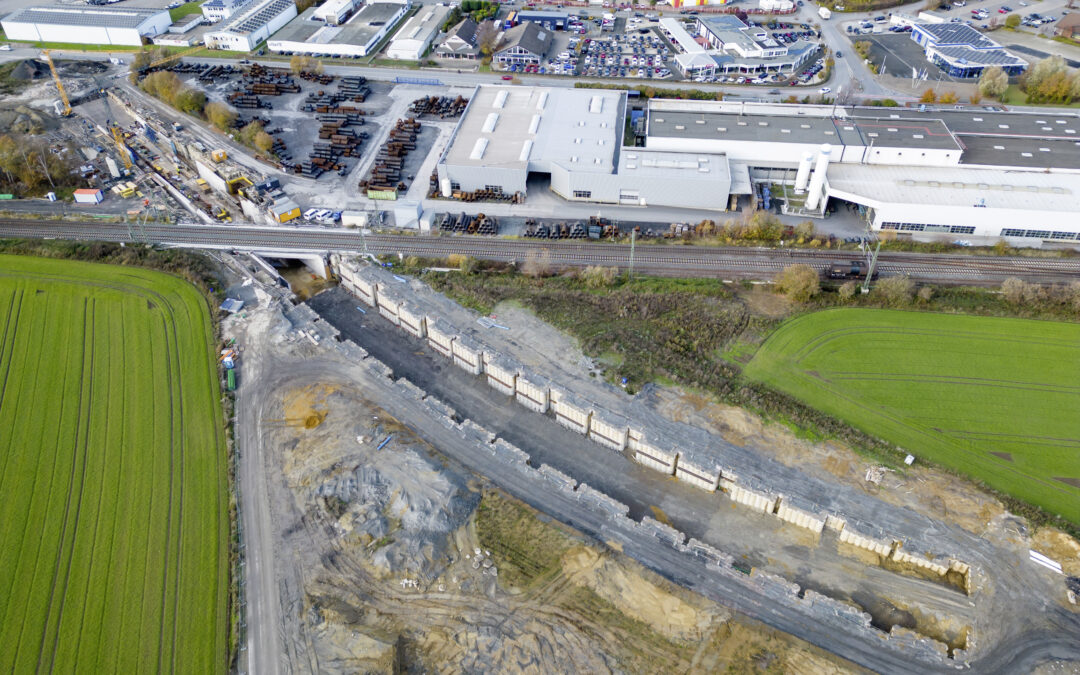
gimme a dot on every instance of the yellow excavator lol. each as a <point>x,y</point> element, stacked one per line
<point>66,112</point>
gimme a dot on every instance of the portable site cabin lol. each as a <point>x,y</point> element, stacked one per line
<point>89,196</point>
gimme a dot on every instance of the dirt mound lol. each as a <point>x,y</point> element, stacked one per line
<point>30,69</point>
<point>21,120</point>
<point>1060,547</point>
<point>640,599</point>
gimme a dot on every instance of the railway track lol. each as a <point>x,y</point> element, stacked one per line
<point>667,260</point>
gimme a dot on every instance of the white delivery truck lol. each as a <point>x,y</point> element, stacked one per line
<point>824,12</point>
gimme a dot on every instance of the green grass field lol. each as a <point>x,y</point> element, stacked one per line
<point>114,516</point>
<point>997,399</point>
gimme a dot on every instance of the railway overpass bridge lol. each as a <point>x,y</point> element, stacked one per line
<point>308,243</point>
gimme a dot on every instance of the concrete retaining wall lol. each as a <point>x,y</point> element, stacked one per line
<point>440,336</point>
<point>412,320</point>
<point>696,473</point>
<point>570,412</point>
<point>649,454</point>
<point>609,429</point>
<point>532,392</point>
<point>467,355</point>
<point>799,517</point>
<point>501,373</point>
<point>755,500</point>
<point>818,608</point>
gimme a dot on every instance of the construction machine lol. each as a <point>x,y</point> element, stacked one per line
<point>66,111</point>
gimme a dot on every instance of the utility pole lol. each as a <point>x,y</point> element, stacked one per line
<point>871,257</point>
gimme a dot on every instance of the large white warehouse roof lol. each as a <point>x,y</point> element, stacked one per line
<point>520,126</point>
<point>107,17</point>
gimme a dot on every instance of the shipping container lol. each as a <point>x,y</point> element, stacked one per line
<point>385,195</point>
<point>230,380</point>
<point>88,196</point>
<point>7,196</point>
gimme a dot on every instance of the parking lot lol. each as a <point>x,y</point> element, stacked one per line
<point>899,55</point>
<point>614,47</point>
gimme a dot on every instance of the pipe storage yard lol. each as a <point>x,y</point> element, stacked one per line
<point>766,596</point>
<point>691,454</point>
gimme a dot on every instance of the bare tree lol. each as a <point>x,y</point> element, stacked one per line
<point>537,265</point>
<point>486,37</point>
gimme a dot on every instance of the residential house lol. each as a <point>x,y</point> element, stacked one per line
<point>524,44</point>
<point>460,42</point>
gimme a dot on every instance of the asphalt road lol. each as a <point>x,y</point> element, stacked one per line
<point>686,261</point>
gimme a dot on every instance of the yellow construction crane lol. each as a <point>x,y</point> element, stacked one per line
<point>115,131</point>
<point>59,84</point>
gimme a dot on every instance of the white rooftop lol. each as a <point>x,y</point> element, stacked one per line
<point>959,186</point>
<point>532,127</point>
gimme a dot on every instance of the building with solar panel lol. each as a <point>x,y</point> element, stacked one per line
<point>962,51</point>
<point>86,24</point>
<point>246,30</point>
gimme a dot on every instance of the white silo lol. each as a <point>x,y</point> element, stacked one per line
<point>802,176</point>
<point>817,181</point>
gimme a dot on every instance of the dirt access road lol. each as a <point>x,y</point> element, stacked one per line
<point>364,553</point>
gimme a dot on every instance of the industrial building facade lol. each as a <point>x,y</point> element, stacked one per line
<point>927,172</point>
<point>252,25</point>
<point>358,36</point>
<point>412,41</point>
<point>947,172</point>
<point>575,137</point>
<point>86,24</point>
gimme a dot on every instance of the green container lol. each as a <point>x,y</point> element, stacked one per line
<point>230,380</point>
<point>2,197</point>
<point>386,195</point>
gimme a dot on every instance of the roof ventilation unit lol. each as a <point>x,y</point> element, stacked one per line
<point>490,122</point>
<point>526,150</point>
<point>543,100</point>
<point>596,104</point>
<point>534,124</point>
<point>500,98</point>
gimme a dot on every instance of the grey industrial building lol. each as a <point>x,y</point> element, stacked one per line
<point>356,37</point>
<point>574,137</point>
<point>947,172</point>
